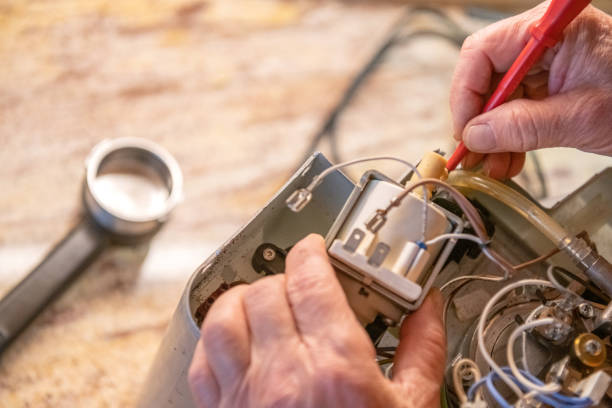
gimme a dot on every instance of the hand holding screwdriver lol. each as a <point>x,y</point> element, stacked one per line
<point>566,99</point>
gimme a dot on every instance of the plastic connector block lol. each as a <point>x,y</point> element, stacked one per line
<point>299,199</point>
<point>594,386</point>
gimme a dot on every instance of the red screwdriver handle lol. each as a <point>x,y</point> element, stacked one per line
<point>544,34</point>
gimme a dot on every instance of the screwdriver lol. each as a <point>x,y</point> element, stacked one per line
<point>544,34</point>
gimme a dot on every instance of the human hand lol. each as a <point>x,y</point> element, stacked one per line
<point>566,100</point>
<point>291,340</point>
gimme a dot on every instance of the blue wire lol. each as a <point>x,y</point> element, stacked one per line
<point>474,387</point>
<point>494,393</point>
<point>556,399</point>
<point>560,397</point>
<point>572,401</point>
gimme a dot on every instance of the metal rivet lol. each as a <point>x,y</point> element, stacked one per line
<point>269,254</point>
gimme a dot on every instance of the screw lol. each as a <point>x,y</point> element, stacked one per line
<point>592,347</point>
<point>389,322</point>
<point>269,254</point>
<point>585,310</point>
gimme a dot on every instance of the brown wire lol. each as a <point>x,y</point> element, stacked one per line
<point>536,260</point>
<point>469,210</point>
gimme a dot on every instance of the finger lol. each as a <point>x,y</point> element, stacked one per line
<point>536,85</point>
<point>421,354</point>
<point>517,161</point>
<point>471,160</point>
<point>496,165</point>
<point>268,313</point>
<point>523,125</point>
<point>492,49</point>
<point>202,382</point>
<point>317,300</point>
<point>225,336</point>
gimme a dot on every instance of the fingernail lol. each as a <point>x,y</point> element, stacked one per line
<point>480,138</point>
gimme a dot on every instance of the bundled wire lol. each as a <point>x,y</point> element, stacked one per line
<point>556,400</point>
<point>468,209</point>
<point>483,319</point>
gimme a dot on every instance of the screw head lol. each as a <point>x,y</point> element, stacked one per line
<point>269,254</point>
<point>592,347</point>
<point>585,310</point>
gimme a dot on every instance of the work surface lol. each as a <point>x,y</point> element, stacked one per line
<point>235,90</point>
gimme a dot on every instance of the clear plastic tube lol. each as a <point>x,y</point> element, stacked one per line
<point>513,199</point>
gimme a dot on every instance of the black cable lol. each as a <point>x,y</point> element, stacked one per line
<point>543,193</point>
<point>328,129</point>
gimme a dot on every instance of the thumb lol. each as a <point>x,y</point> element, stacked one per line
<point>421,355</point>
<point>522,125</point>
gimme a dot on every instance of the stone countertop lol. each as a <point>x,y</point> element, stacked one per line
<point>234,90</point>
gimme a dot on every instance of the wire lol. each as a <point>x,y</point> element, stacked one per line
<point>556,400</point>
<point>551,277</point>
<point>544,389</point>
<point>483,246</point>
<point>540,258</point>
<point>495,394</point>
<point>392,39</point>
<point>459,369</point>
<point>468,209</point>
<point>483,319</point>
<point>531,315</point>
<point>539,174</point>
<point>444,237</point>
<point>318,179</point>
<point>471,394</point>
<point>491,278</point>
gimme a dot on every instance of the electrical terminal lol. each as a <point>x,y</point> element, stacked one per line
<point>299,199</point>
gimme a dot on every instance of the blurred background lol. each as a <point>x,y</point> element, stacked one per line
<point>238,91</point>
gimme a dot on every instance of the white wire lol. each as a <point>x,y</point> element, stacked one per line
<point>551,277</point>
<point>473,238</point>
<point>443,237</point>
<point>389,371</point>
<point>319,178</point>
<point>544,389</point>
<point>531,315</point>
<point>483,319</point>
<point>491,278</point>
<point>459,390</point>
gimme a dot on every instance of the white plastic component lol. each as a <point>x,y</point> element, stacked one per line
<point>594,386</point>
<point>366,243</point>
<point>384,277</point>
<point>418,266</point>
<point>405,258</point>
<point>404,223</point>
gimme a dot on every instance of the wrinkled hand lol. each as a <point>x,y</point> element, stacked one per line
<point>566,100</point>
<point>292,340</point>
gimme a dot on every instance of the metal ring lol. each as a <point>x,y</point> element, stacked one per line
<point>150,157</point>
